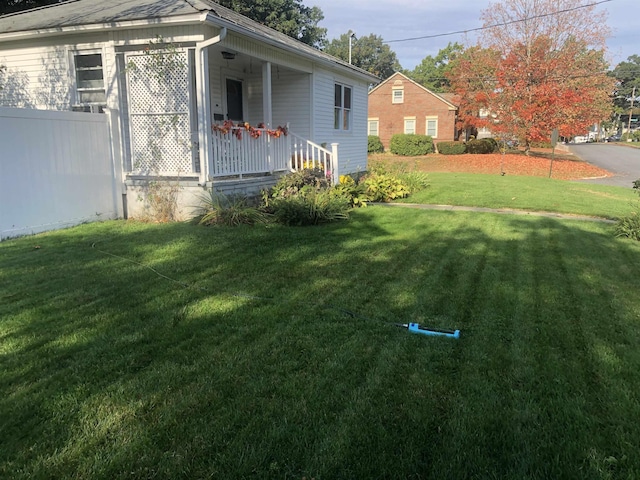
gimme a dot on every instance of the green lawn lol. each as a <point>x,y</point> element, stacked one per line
<point>255,369</point>
<point>527,193</point>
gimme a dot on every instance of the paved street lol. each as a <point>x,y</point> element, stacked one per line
<point>622,161</point>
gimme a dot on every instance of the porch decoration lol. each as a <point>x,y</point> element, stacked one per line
<point>255,132</point>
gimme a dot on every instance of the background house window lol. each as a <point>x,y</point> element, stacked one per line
<point>90,79</point>
<point>410,125</point>
<point>374,127</point>
<point>342,107</point>
<point>397,95</point>
<point>432,126</point>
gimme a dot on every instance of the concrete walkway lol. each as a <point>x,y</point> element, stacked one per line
<point>505,211</point>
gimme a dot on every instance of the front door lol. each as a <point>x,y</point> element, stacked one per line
<point>234,100</point>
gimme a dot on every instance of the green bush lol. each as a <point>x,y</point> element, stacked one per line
<point>310,207</point>
<point>355,192</point>
<point>629,226</point>
<point>415,181</point>
<point>293,182</point>
<point>451,148</point>
<point>483,146</point>
<point>384,187</point>
<point>374,144</point>
<point>411,145</point>
<point>218,209</point>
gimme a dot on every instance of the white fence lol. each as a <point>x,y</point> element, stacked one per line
<point>56,170</point>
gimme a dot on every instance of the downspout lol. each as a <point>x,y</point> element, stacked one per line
<point>204,105</point>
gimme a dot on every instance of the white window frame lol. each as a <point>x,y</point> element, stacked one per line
<point>373,122</point>
<point>410,125</point>
<point>90,106</point>
<point>426,126</point>
<point>397,94</point>
<point>342,114</point>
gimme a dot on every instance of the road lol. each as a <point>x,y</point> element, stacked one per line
<point>622,161</point>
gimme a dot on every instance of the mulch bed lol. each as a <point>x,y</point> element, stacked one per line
<point>565,167</point>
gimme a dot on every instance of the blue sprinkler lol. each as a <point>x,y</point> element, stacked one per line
<point>416,328</point>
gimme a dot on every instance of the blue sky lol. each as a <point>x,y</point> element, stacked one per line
<point>397,19</point>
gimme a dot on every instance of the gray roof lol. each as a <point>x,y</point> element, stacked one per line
<point>75,13</point>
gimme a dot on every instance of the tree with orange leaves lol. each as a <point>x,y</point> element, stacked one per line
<point>540,66</point>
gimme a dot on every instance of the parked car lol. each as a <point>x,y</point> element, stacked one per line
<point>613,138</point>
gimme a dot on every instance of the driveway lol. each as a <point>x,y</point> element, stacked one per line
<point>622,161</point>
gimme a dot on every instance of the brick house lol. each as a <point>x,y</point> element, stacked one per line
<point>400,105</point>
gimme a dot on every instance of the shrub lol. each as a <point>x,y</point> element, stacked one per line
<point>411,145</point>
<point>415,181</point>
<point>483,146</point>
<point>451,148</point>
<point>629,226</point>
<point>355,192</point>
<point>293,182</point>
<point>374,144</point>
<point>384,187</point>
<point>218,209</point>
<point>310,207</point>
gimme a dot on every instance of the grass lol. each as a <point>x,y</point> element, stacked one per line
<point>237,357</point>
<point>527,193</point>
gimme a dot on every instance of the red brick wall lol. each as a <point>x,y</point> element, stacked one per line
<point>418,103</point>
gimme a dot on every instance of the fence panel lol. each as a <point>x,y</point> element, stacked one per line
<point>56,170</point>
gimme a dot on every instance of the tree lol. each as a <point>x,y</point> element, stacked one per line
<point>290,17</point>
<point>627,88</point>
<point>536,70</point>
<point>369,53</point>
<point>432,70</point>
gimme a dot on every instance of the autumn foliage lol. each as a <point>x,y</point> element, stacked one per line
<point>535,72</point>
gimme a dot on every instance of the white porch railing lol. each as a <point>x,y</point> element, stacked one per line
<point>237,153</point>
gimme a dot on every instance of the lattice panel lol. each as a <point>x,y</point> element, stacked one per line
<point>159,115</point>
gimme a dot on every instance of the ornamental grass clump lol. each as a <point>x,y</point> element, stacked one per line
<point>232,211</point>
<point>629,225</point>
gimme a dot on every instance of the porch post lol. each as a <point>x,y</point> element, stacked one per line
<point>335,171</point>
<point>267,110</point>
<point>204,112</point>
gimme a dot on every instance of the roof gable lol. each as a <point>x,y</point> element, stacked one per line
<point>398,76</point>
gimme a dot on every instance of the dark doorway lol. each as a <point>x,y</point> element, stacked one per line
<point>234,100</point>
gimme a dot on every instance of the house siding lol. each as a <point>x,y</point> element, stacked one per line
<point>352,144</point>
<point>418,102</point>
<point>292,89</point>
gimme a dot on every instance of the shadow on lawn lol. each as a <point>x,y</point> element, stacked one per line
<point>112,370</point>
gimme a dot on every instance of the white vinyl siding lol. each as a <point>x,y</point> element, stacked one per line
<point>432,126</point>
<point>374,127</point>
<point>409,125</point>
<point>291,101</point>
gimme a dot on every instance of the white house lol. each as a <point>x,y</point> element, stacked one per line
<point>87,55</point>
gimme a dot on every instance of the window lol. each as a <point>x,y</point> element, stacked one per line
<point>409,125</point>
<point>342,107</point>
<point>432,126</point>
<point>397,95</point>
<point>90,79</point>
<point>373,126</point>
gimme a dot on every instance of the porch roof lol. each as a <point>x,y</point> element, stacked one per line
<point>75,16</point>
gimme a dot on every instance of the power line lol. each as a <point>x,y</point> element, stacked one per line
<point>498,24</point>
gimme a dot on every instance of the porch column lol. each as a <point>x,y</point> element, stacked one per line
<point>267,110</point>
<point>204,111</point>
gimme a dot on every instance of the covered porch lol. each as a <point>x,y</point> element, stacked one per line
<point>227,113</point>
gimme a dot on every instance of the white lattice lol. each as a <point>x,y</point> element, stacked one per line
<point>159,115</point>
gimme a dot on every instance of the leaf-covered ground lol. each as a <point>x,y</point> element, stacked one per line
<point>565,167</point>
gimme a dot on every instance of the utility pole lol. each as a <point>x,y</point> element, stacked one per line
<point>352,36</point>
<point>633,96</point>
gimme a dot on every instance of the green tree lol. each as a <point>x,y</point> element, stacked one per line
<point>432,71</point>
<point>369,53</point>
<point>290,17</point>
<point>627,75</point>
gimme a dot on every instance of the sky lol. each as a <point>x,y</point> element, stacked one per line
<point>399,19</point>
